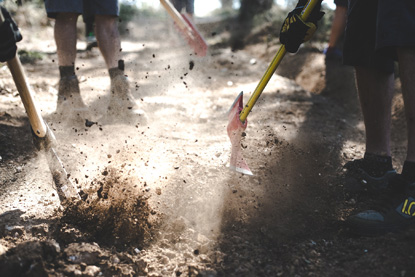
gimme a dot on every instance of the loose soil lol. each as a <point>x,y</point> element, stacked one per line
<point>158,198</point>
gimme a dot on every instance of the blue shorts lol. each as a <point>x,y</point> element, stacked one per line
<point>88,8</point>
<point>374,29</point>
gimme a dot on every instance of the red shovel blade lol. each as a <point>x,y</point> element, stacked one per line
<point>235,129</point>
<point>195,39</point>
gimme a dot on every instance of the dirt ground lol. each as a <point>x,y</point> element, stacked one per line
<point>159,198</point>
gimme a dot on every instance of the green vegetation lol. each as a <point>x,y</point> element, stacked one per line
<point>29,56</point>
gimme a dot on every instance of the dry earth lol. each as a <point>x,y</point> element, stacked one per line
<point>159,199</point>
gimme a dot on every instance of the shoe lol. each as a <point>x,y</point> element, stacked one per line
<point>333,53</point>
<point>122,102</point>
<point>91,42</point>
<point>69,98</point>
<point>359,178</point>
<point>393,212</point>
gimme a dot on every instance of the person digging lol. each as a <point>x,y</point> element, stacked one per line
<point>376,36</point>
<point>105,13</point>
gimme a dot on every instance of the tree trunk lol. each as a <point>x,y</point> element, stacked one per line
<point>249,8</point>
<point>247,11</point>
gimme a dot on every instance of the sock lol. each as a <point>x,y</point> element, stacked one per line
<point>376,165</point>
<point>115,71</point>
<point>67,71</point>
<point>408,171</point>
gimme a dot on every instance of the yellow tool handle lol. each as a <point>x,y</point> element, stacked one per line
<point>273,66</point>
<point>22,85</point>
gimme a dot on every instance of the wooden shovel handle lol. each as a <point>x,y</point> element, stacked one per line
<point>26,94</point>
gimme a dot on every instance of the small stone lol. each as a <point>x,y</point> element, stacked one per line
<point>92,270</point>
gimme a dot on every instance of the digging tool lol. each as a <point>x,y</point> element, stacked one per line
<point>43,137</point>
<point>187,28</point>
<point>238,113</point>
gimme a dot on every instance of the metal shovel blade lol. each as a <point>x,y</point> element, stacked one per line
<point>235,129</point>
<point>47,144</point>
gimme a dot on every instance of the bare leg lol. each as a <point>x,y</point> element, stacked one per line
<point>338,25</point>
<point>65,38</point>
<point>375,92</point>
<point>108,37</point>
<point>406,56</point>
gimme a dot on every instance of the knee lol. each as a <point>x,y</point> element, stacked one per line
<point>67,18</point>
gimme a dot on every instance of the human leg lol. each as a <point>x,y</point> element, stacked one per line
<point>395,210</point>
<point>65,38</point>
<point>375,89</point>
<point>69,97</point>
<point>108,37</point>
<point>122,102</point>
<point>406,57</point>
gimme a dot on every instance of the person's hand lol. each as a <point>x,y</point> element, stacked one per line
<point>9,35</point>
<point>295,30</point>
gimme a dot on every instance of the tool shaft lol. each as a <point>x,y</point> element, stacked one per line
<point>272,67</point>
<point>19,77</point>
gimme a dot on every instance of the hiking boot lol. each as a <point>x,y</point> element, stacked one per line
<point>122,103</point>
<point>393,212</point>
<point>69,98</point>
<point>370,174</point>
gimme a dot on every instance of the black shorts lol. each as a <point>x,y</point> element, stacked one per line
<point>88,8</point>
<point>188,4</point>
<point>374,29</point>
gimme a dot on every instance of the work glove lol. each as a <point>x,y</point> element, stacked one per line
<point>295,31</point>
<point>9,35</point>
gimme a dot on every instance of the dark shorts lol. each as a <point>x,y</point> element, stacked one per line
<point>188,4</point>
<point>341,3</point>
<point>374,29</point>
<point>88,8</point>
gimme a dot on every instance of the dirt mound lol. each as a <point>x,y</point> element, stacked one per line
<point>29,259</point>
<point>112,211</point>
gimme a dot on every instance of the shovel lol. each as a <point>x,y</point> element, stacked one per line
<point>43,138</point>
<point>187,28</point>
<point>237,115</point>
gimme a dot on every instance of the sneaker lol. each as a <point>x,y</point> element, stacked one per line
<point>394,211</point>
<point>69,98</point>
<point>358,177</point>
<point>122,102</point>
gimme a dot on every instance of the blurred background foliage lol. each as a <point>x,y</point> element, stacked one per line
<point>246,15</point>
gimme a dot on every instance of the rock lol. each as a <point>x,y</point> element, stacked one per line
<point>3,249</point>
<point>15,231</point>
<point>114,259</point>
<point>78,253</point>
<point>31,255</point>
<point>91,270</point>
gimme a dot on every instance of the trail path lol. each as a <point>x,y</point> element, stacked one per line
<point>160,198</point>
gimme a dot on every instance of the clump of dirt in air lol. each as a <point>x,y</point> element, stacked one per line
<point>113,211</point>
